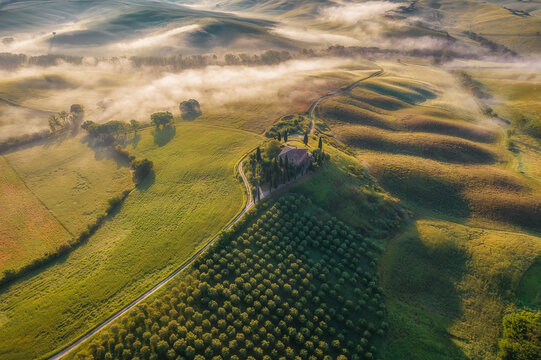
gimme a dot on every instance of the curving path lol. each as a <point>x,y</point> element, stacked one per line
<point>312,108</point>
<point>249,204</point>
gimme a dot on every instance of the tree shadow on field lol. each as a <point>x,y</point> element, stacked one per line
<point>147,182</point>
<point>429,195</point>
<point>104,152</point>
<point>133,141</point>
<point>191,116</point>
<point>422,275</point>
<point>163,135</point>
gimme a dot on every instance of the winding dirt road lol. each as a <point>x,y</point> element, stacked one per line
<point>336,93</point>
<point>249,204</point>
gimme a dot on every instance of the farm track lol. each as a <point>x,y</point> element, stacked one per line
<point>346,90</point>
<point>249,204</point>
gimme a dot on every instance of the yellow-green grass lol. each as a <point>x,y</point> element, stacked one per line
<point>517,99</point>
<point>449,285</point>
<point>528,153</point>
<point>432,146</point>
<point>491,21</point>
<point>458,192</point>
<point>404,90</point>
<point>376,99</point>
<point>337,110</point>
<point>72,179</point>
<point>164,221</point>
<point>424,121</point>
<point>258,115</point>
<point>28,230</point>
<point>369,108</point>
<point>345,189</point>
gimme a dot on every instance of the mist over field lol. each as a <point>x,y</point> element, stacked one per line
<point>270,179</point>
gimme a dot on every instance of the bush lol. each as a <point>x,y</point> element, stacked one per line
<point>141,169</point>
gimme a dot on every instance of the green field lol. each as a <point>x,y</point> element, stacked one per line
<point>28,230</point>
<point>448,287</point>
<point>162,222</point>
<point>53,190</point>
<point>430,146</point>
<point>72,179</point>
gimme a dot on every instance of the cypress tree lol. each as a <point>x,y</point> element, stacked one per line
<point>305,138</point>
<point>320,145</point>
<point>258,154</point>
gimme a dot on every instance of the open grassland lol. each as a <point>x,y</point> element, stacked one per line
<point>72,179</point>
<point>494,22</point>
<point>433,146</point>
<point>427,155</point>
<point>345,189</point>
<point>448,287</point>
<point>458,191</point>
<point>28,230</point>
<point>166,219</point>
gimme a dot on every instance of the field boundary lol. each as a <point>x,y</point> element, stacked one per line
<point>37,197</point>
<point>248,205</point>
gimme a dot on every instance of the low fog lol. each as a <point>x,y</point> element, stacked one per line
<point>122,92</point>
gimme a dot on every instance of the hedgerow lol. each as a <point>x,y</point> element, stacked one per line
<point>285,285</point>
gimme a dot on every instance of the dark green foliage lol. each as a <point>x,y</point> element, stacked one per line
<point>521,336</point>
<point>290,124</point>
<point>190,110</point>
<point>106,132</point>
<point>141,169</point>
<point>288,283</point>
<point>305,140</point>
<point>161,118</point>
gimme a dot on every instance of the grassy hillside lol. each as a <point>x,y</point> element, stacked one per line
<point>162,222</point>
<point>447,162</point>
<point>450,286</point>
<point>492,21</point>
<point>28,230</point>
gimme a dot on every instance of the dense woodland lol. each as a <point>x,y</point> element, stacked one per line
<point>289,283</point>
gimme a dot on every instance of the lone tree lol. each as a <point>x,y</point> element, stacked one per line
<point>285,136</point>
<point>305,140</point>
<point>258,154</point>
<point>134,125</point>
<point>320,145</point>
<point>161,118</point>
<point>189,110</point>
<point>141,169</point>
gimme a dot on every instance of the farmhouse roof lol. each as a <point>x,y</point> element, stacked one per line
<point>293,154</point>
